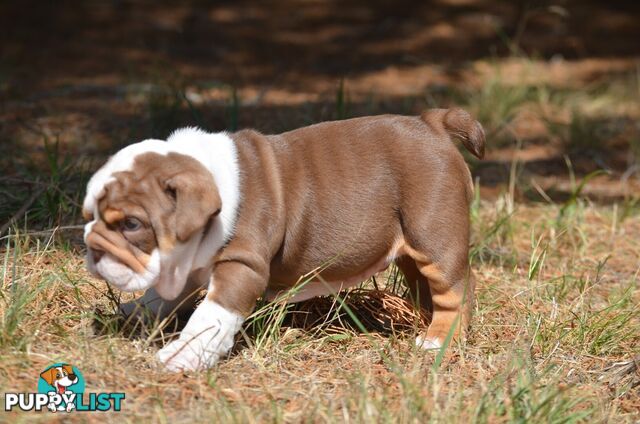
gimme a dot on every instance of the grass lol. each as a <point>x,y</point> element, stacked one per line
<point>168,107</point>
<point>496,104</point>
<point>547,326</point>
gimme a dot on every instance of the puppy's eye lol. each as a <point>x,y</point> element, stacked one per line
<point>171,192</point>
<point>131,224</point>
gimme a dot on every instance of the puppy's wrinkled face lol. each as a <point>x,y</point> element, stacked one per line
<point>142,219</point>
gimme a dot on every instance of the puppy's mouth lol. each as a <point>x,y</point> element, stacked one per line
<point>117,274</point>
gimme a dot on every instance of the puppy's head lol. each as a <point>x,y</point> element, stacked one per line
<point>147,208</point>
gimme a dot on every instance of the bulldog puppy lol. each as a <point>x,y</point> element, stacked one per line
<point>247,214</point>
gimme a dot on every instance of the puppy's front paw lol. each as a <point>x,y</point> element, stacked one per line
<point>207,337</point>
<point>184,355</point>
<point>169,355</point>
<point>71,406</point>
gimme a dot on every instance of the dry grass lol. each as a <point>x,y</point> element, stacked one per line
<point>556,330</point>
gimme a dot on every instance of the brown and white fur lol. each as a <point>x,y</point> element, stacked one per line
<point>247,214</point>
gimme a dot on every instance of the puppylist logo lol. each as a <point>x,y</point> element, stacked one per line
<point>61,388</point>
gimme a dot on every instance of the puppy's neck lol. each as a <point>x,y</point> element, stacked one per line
<point>217,152</point>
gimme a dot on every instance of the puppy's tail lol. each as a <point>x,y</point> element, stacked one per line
<point>458,124</point>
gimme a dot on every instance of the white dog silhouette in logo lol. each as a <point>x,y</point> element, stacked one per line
<point>60,377</point>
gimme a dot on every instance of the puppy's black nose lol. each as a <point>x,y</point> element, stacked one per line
<point>72,377</point>
<point>97,255</point>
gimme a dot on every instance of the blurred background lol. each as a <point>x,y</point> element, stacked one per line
<point>555,83</point>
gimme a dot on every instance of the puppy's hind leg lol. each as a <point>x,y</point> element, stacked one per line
<point>431,291</point>
<point>452,298</point>
<point>417,284</point>
<point>438,243</point>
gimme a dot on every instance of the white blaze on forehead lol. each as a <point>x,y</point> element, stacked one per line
<point>121,161</point>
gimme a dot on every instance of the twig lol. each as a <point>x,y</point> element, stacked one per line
<point>22,209</point>
<point>49,231</point>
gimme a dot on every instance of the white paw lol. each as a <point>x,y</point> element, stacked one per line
<point>52,407</point>
<point>428,343</point>
<point>71,406</point>
<point>208,336</point>
<point>194,355</point>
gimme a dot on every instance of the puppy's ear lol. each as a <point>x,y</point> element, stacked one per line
<point>49,375</point>
<point>197,200</point>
